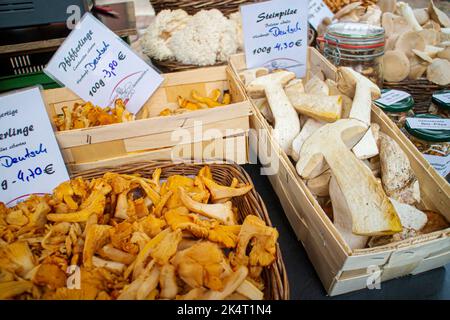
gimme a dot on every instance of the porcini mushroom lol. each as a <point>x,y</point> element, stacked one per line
<point>249,75</point>
<point>342,217</point>
<point>287,124</point>
<point>308,128</point>
<point>397,176</point>
<point>371,210</point>
<point>319,107</point>
<point>395,66</point>
<point>319,186</point>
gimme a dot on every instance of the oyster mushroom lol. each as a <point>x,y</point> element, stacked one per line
<point>438,72</point>
<point>395,66</point>
<point>437,15</point>
<point>408,41</point>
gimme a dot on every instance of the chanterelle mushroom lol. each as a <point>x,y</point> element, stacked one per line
<point>372,212</point>
<point>219,192</point>
<point>220,211</point>
<point>287,124</point>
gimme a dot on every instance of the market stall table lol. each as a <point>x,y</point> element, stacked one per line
<point>303,280</point>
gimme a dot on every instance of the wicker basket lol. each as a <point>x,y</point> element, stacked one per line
<point>275,277</point>
<point>191,7</point>
<point>421,90</point>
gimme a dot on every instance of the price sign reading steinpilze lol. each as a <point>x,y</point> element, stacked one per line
<point>275,35</point>
<point>99,67</point>
<point>30,160</point>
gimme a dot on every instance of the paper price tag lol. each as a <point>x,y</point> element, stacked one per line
<point>318,11</point>
<point>429,123</point>
<point>99,67</point>
<point>30,160</point>
<point>444,97</point>
<point>275,35</point>
<point>392,96</point>
<point>441,164</point>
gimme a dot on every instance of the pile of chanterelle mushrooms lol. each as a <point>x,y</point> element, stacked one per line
<point>417,40</point>
<point>133,237</point>
<point>325,126</point>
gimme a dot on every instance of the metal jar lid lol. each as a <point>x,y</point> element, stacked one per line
<point>353,41</point>
<point>403,105</point>
<point>438,99</point>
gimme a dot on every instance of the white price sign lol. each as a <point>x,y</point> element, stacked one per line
<point>275,35</point>
<point>441,164</point>
<point>30,160</point>
<point>429,123</point>
<point>392,96</point>
<point>318,11</point>
<point>444,97</point>
<point>99,67</point>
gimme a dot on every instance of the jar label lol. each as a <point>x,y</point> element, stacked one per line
<point>392,96</point>
<point>441,164</point>
<point>429,123</point>
<point>444,97</point>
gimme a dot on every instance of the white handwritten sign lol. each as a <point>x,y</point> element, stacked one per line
<point>429,123</point>
<point>441,164</point>
<point>391,97</point>
<point>318,11</point>
<point>98,66</point>
<point>30,160</point>
<point>275,34</point>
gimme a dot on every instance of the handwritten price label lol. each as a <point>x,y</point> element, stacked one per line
<point>99,67</point>
<point>275,35</point>
<point>30,160</point>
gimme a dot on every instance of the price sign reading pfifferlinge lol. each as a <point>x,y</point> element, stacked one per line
<point>30,160</point>
<point>99,67</point>
<point>275,35</point>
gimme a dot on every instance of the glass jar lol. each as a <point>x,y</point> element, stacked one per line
<point>397,105</point>
<point>440,103</point>
<point>431,142</point>
<point>356,45</point>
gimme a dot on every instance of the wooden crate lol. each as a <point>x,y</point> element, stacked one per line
<point>341,269</point>
<point>217,133</point>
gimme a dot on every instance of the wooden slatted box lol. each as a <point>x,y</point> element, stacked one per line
<point>341,269</point>
<point>216,133</point>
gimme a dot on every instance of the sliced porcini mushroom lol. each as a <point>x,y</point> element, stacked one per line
<point>407,13</point>
<point>438,72</point>
<point>294,86</point>
<point>317,106</point>
<point>438,16</point>
<point>346,10</point>
<point>346,106</point>
<point>369,208</point>
<point>395,66</point>
<point>319,186</point>
<point>408,41</point>
<point>421,15</point>
<point>332,87</point>
<point>263,106</point>
<point>431,37</point>
<point>367,147</point>
<point>387,5</point>
<point>342,218</point>
<point>316,86</point>
<point>423,55</point>
<point>287,124</point>
<point>220,211</point>
<point>308,129</point>
<point>249,75</point>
